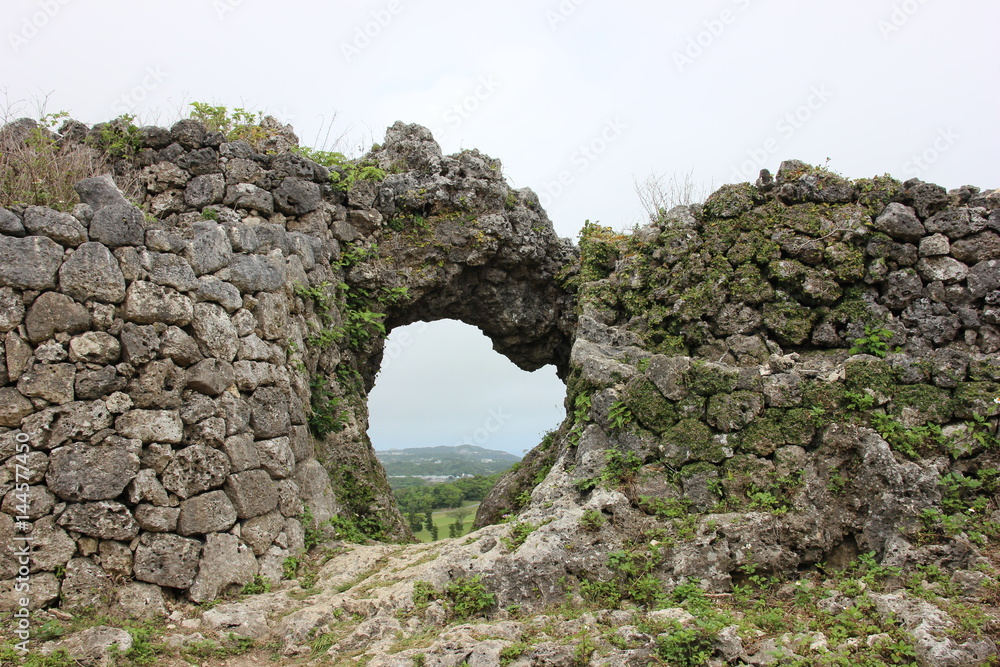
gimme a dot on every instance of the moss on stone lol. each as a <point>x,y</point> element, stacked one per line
<point>707,379</point>
<point>693,436</point>
<point>846,261</point>
<point>731,201</point>
<point>864,372</point>
<point>753,246</point>
<point>648,405</point>
<point>732,412</point>
<point>977,398</point>
<point>788,320</point>
<point>924,402</point>
<point>749,286</point>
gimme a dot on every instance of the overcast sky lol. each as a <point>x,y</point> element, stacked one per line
<point>578,98</point>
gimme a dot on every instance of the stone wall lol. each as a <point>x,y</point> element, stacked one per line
<point>183,377</point>
<point>803,369</point>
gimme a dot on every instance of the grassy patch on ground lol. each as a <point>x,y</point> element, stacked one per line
<point>443,518</point>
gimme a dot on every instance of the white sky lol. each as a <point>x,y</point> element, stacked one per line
<point>578,98</point>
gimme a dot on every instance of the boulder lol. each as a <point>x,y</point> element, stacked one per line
<point>195,469</point>
<point>79,472</point>
<point>167,560</point>
<point>224,562</point>
<point>105,520</point>
<point>31,262</point>
<point>206,513</point>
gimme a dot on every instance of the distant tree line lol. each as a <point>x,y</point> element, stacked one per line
<point>421,499</point>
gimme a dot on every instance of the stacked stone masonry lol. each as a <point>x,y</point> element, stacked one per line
<point>158,356</point>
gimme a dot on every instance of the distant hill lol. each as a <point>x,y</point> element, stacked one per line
<point>454,460</point>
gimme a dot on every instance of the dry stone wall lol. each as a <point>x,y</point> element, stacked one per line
<point>183,377</point>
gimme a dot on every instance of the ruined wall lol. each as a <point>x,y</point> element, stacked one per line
<point>810,366</point>
<point>183,377</point>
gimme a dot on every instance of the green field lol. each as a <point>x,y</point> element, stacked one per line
<point>443,518</point>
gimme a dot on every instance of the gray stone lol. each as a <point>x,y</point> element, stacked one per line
<point>242,452</point>
<point>50,352</point>
<point>205,190</point>
<point>249,197</point>
<point>944,269</point>
<point>11,309</point>
<point>147,303</point>
<point>165,203</point>
<point>197,407</point>
<point>93,383</point>
<point>146,487</point>
<point>289,502</point>
<point>13,407</point>
<point>86,585</point>
<point>259,532</point>
<point>60,227</point>
<point>53,312</point>
<point>978,248</point>
<point>210,250</point>
<point>302,444</point>
<point>215,331</point>
<point>160,240</point>
<point>139,343</point>
<point>271,312</point>
<point>237,413</point>
<point>295,196</point>
<point>225,294</point>
<point>115,558</point>
<point>10,224</point>
<point>53,426</point>
<point>315,490</point>
<point>18,353</point>
<point>667,373</point>
<point>157,519</point>
<point>180,347</point>
<point>163,176</point>
<point>170,270</point>
<point>255,273</point>
<point>953,223</point>
<point>93,646</point>
<point>211,377</point>
<point>118,225</point>
<point>51,382</point>
<point>188,132</point>
<point>100,191</point>
<point>782,390</point>
<point>269,416</point>
<point>276,457</point>
<point>81,471</point>
<point>95,347</point>
<point>195,469</point>
<point>52,546</point>
<point>900,222</point>
<point>201,161</point>
<point>104,519</point>
<point>32,503</point>
<point>252,492</point>
<point>239,620</point>
<point>206,513</point>
<point>253,374</point>
<point>151,426</point>
<point>934,245</point>
<point>167,560</point>
<point>140,601</point>
<point>31,262</point>
<point>159,384</point>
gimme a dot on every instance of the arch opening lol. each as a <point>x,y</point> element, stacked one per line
<point>446,411</point>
